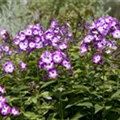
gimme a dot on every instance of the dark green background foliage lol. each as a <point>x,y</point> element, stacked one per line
<point>92,93</point>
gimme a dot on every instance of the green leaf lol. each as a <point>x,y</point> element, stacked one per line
<point>77,116</point>
<point>98,108</point>
<point>52,116</point>
<point>45,94</point>
<point>116,95</point>
<point>30,115</point>
<point>86,104</point>
<point>46,84</point>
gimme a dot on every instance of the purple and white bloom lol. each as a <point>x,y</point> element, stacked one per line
<point>88,39</point>
<point>116,34</point>
<point>14,111</point>
<point>100,22</point>
<point>83,49</point>
<point>53,24</point>
<point>49,66</point>
<point>55,39</point>
<point>1,105</point>
<point>109,44</point>
<point>9,52</point>
<point>54,44</point>
<point>100,45</point>
<point>22,36</point>
<point>97,58</point>
<point>46,57</point>
<point>37,39</point>
<point>8,67</point>
<point>41,65</point>
<point>32,44</point>
<point>3,32</point>
<point>39,45</point>
<point>66,64</point>
<point>16,40</point>
<point>5,110</point>
<point>63,46</point>
<point>102,30</point>
<point>30,26</point>
<point>57,57</point>
<point>6,48</point>
<point>2,90</point>
<point>108,19</point>
<point>48,35</point>
<point>23,66</point>
<point>35,31</point>
<point>23,45</point>
<point>28,32</point>
<point>2,99</point>
<point>52,73</point>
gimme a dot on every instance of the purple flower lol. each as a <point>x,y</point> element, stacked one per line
<point>83,49</point>
<point>22,36</point>
<point>16,40</point>
<point>3,32</point>
<point>37,39</point>
<point>41,65</point>
<point>54,24</point>
<point>66,64</point>
<point>14,111</point>
<point>116,34</point>
<point>8,67</point>
<point>39,45</point>
<point>52,73</point>
<point>2,99</point>
<point>6,48</point>
<point>57,57</point>
<point>32,44</point>
<point>1,105</point>
<point>46,57</point>
<point>28,38</point>
<point>63,46</point>
<point>5,109</point>
<point>88,39</point>
<point>2,90</point>
<point>49,35</point>
<point>28,32</point>
<point>55,40</point>
<point>101,45</point>
<point>23,45</point>
<point>49,66</point>
<point>97,58</point>
<point>35,31</point>
<point>23,66</point>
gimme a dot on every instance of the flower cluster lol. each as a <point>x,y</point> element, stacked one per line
<point>5,48</point>
<point>50,62</point>
<point>5,109</point>
<point>9,66</point>
<point>30,38</point>
<point>56,37</point>
<point>4,34</point>
<point>101,38</point>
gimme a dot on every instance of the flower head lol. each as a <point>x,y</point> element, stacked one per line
<point>8,67</point>
<point>97,58</point>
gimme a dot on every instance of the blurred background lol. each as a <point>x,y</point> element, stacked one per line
<point>15,15</point>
